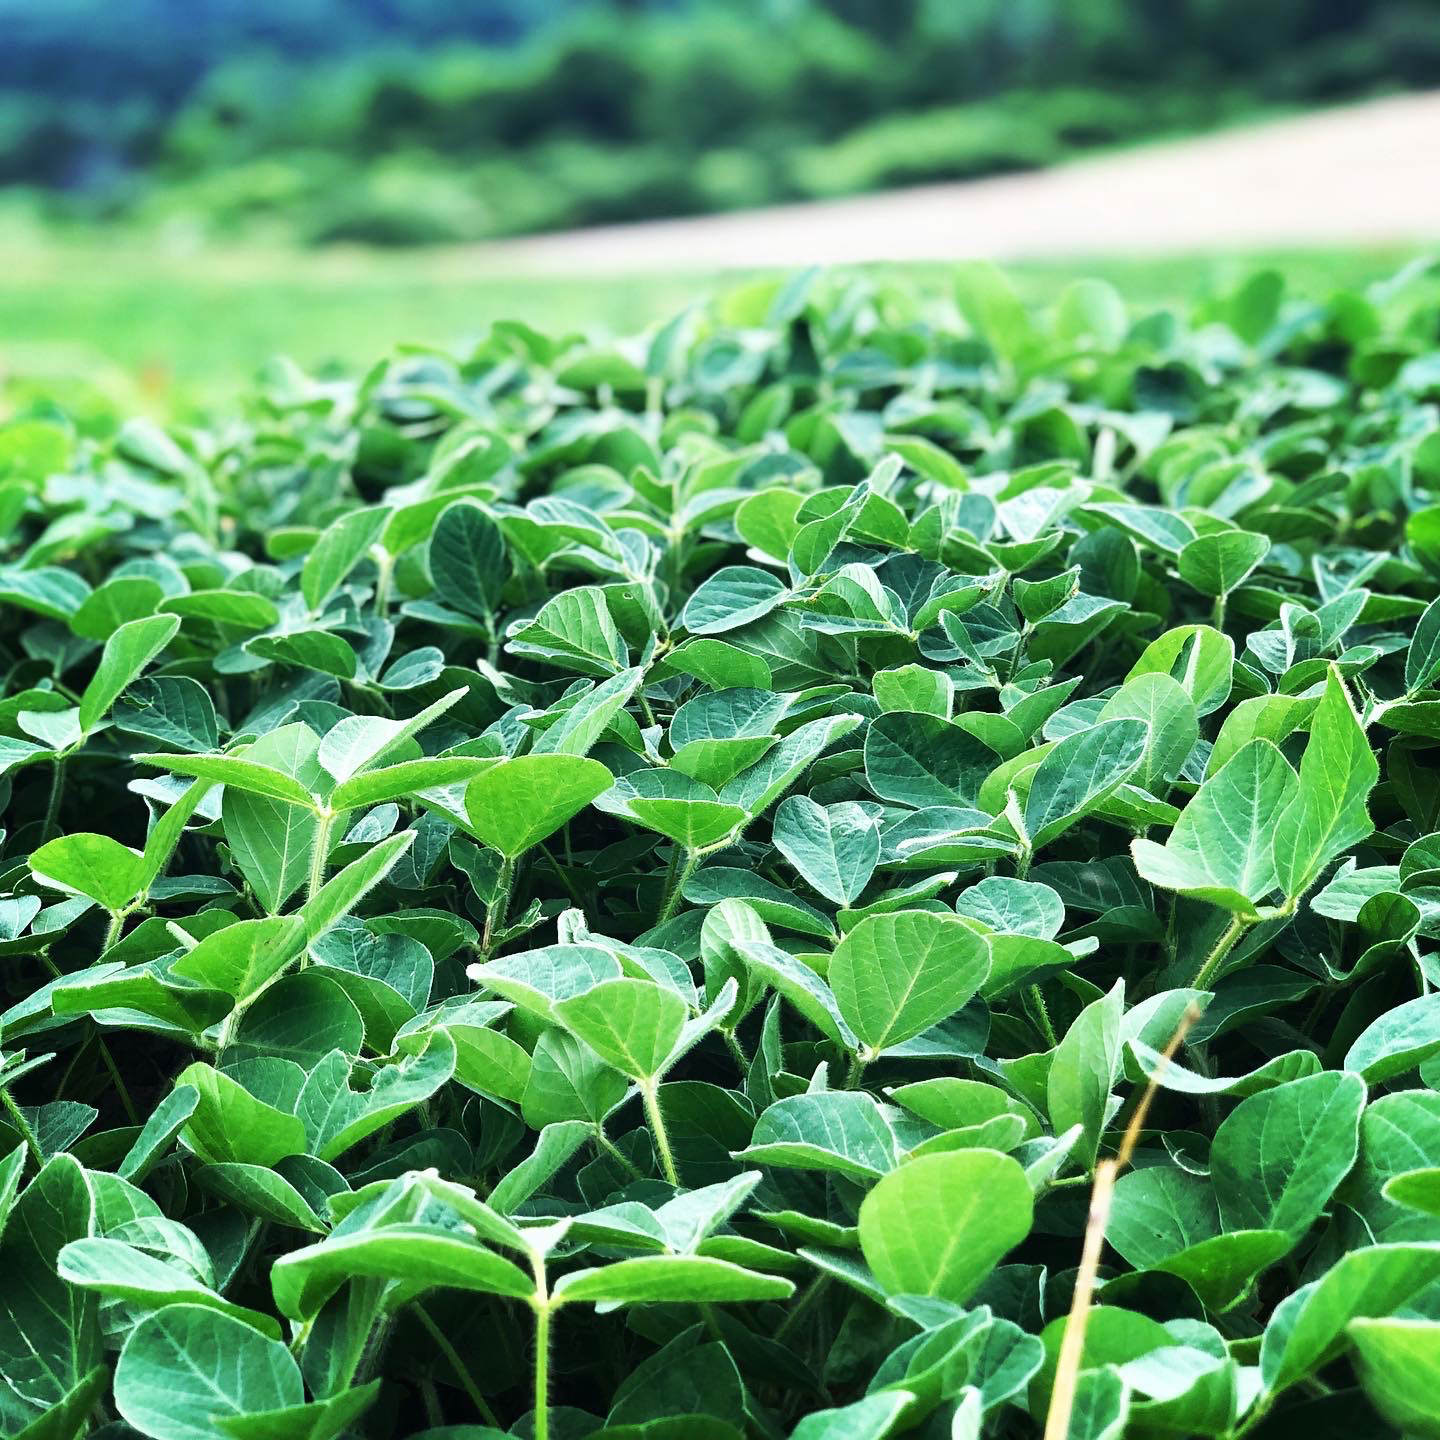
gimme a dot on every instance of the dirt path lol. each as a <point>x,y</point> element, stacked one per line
<point>1360,175</point>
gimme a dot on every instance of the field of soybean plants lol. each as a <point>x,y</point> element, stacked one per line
<point>853,866</point>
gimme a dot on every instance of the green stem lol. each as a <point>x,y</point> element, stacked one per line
<point>112,934</point>
<point>57,789</point>
<point>540,1303</point>
<point>126,1102</point>
<point>650,1091</point>
<point>32,1143</point>
<point>737,1052</point>
<point>320,855</point>
<point>857,1068</point>
<point>497,909</point>
<point>1223,946</point>
<point>675,886</point>
<point>1217,616</point>
<point>1042,1015</point>
<point>801,1308</point>
<point>461,1370</point>
<point>384,570</point>
<point>608,1147</point>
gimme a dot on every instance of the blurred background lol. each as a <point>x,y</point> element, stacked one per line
<point>187,185</point>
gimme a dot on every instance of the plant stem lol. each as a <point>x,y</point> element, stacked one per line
<point>540,1303</point>
<point>737,1052</point>
<point>384,569</point>
<point>801,1308</point>
<point>320,855</point>
<point>1217,617</point>
<point>1223,946</point>
<point>112,934</point>
<point>608,1147</point>
<point>675,886</point>
<point>462,1371</point>
<point>650,1091</point>
<point>1042,1015</point>
<point>21,1124</point>
<point>126,1102</point>
<point>57,789</point>
<point>497,909</point>
<point>856,1069</point>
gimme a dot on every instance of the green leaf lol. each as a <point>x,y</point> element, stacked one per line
<point>1422,657</point>
<point>895,976</point>
<point>633,1025</point>
<point>940,1225</point>
<point>1307,1329</point>
<point>468,560</point>
<point>101,869</point>
<point>730,598</point>
<point>518,803</point>
<point>185,1368</point>
<point>1399,1040</point>
<point>684,1279</point>
<point>320,650</point>
<point>835,848</point>
<point>419,1257</point>
<point>579,729</point>
<point>127,652</point>
<point>338,550</point>
<point>1398,1360</point>
<point>1199,657</point>
<point>344,891</point>
<point>921,760</point>
<point>1084,1070</point>
<point>1328,814</point>
<point>1216,564</point>
<point>1079,773</point>
<point>1278,1156</point>
<point>231,1124</point>
<point>113,1268</point>
<point>1222,848</point>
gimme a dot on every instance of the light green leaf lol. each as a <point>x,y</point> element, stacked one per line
<point>633,1025</point>
<point>518,803</point>
<point>940,1225</point>
<point>1079,773</point>
<point>895,976</point>
<point>1328,814</point>
<point>1278,1156</point>
<point>835,848</point>
<point>1216,564</point>
<point>186,1367</point>
<point>1222,848</point>
<point>127,652</point>
<point>101,869</point>
<point>338,550</point>
<point>1399,1364</point>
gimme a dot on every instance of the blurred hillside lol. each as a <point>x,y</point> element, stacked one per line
<point>415,121</point>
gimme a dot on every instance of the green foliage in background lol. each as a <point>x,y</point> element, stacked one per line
<point>409,123</point>
<point>625,890</point>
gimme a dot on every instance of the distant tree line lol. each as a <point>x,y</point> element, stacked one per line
<point>424,119</point>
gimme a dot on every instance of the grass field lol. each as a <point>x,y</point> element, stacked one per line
<point>98,328</point>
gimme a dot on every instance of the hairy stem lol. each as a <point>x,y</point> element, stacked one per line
<point>22,1125</point>
<point>675,886</point>
<point>57,790</point>
<point>650,1091</point>
<point>1206,973</point>
<point>320,855</point>
<point>499,907</point>
<point>1042,1017</point>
